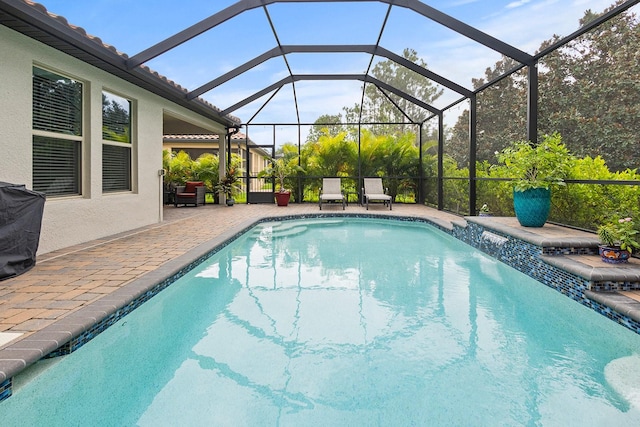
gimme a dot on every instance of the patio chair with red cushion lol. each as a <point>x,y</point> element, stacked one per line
<point>192,193</point>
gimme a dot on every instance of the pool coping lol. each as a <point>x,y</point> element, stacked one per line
<point>87,322</point>
<point>620,272</point>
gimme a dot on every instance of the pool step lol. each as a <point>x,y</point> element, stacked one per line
<point>623,375</point>
<point>278,229</point>
<point>600,275</point>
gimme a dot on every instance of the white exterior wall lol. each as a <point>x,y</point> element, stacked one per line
<point>71,220</point>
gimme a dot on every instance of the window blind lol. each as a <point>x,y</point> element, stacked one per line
<point>56,166</point>
<point>57,103</point>
<point>116,168</point>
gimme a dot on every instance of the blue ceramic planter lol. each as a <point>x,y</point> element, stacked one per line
<point>613,254</point>
<point>532,206</point>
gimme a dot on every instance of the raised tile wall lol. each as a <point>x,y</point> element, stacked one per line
<point>525,257</point>
<point>6,389</point>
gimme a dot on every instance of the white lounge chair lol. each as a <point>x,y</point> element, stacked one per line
<point>373,191</point>
<point>331,192</point>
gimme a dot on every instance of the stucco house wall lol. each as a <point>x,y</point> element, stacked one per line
<point>72,220</point>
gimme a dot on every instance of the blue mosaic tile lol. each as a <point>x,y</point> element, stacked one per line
<point>6,389</point>
<point>614,315</point>
<point>569,251</point>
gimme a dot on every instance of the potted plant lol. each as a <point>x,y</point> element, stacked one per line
<point>537,168</point>
<point>280,169</point>
<point>229,185</point>
<point>178,170</point>
<point>618,238</point>
<point>484,210</point>
<point>206,169</point>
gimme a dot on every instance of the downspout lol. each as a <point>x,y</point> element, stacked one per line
<point>226,149</point>
<point>230,132</point>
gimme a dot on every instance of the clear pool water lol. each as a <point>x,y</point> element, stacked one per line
<point>346,322</point>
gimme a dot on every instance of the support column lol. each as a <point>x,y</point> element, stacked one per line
<point>532,103</point>
<point>473,147</point>
<point>440,161</point>
<point>222,165</point>
<point>420,195</point>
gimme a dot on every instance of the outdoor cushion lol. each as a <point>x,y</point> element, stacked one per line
<point>190,186</point>
<point>195,197</point>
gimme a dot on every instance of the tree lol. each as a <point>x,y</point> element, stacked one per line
<point>501,115</point>
<point>178,166</point>
<point>400,161</point>
<point>590,91</point>
<point>330,155</point>
<point>371,153</point>
<point>116,121</point>
<point>326,124</point>
<point>378,109</point>
<point>206,168</point>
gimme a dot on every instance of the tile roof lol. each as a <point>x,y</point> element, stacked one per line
<point>203,137</point>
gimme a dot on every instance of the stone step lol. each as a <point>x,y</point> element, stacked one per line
<point>593,269</point>
<point>278,229</point>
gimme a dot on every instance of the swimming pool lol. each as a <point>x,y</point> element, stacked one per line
<point>345,322</point>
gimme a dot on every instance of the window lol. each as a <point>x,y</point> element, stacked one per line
<point>116,143</point>
<point>57,133</point>
<point>194,153</point>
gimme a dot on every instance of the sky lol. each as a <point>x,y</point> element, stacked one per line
<point>132,27</point>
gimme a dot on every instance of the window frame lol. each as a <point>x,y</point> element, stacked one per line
<point>39,136</point>
<point>128,180</point>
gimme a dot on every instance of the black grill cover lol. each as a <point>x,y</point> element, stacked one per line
<point>20,222</point>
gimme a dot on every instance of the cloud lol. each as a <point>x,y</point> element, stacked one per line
<point>462,3</point>
<point>516,4</point>
<point>530,23</point>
